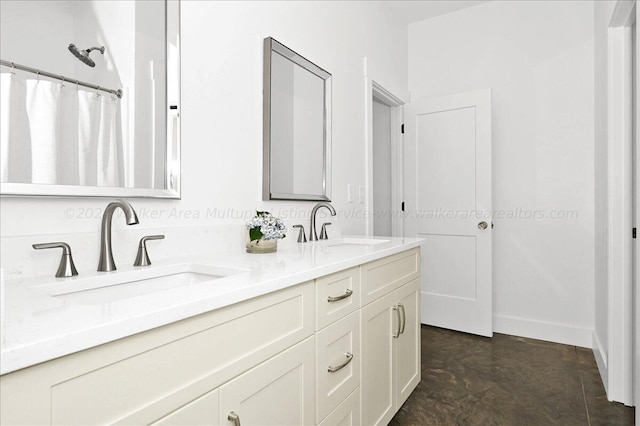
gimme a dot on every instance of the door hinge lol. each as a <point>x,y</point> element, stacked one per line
<point>402,206</point>
<point>633,233</point>
<point>402,129</point>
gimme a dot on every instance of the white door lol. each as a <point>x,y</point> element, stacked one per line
<point>448,197</point>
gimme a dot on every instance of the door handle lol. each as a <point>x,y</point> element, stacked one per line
<point>233,417</point>
<point>404,318</point>
<point>331,369</point>
<point>482,225</point>
<point>397,334</point>
<point>346,294</point>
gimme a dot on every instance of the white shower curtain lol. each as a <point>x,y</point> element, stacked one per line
<point>15,138</point>
<point>71,137</point>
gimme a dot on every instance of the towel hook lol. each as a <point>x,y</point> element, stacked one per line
<point>98,92</point>
<point>38,74</point>
<point>77,86</point>
<point>62,82</point>
<point>13,68</point>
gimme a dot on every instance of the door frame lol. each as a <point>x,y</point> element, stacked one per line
<point>375,89</point>
<point>618,364</point>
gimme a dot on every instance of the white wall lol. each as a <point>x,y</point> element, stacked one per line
<point>222,117</point>
<point>537,57</point>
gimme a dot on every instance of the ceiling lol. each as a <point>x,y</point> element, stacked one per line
<point>408,11</point>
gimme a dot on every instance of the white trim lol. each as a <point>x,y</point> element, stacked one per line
<point>601,359</point>
<point>636,389</point>
<point>565,334</point>
<point>372,88</point>
<point>620,286</point>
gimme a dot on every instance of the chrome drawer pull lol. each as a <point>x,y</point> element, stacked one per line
<point>397,333</point>
<point>346,294</point>
<point>404,318</point>
<point>341,366</point>
<point>233,417</point>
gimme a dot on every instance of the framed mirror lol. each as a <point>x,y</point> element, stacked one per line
<point>90,98</point>
<point>296,126</point>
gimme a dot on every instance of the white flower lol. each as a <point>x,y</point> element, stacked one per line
<point>271,227</point>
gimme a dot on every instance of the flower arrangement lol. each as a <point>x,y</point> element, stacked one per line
<point>265,226</point>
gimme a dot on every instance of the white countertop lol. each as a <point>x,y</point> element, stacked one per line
<point>36,327</point>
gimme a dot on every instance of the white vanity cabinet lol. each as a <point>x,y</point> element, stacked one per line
<point>316,353</point>
<point>390,335</point>
<point>152,376</point>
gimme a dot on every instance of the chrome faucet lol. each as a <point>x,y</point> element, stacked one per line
<point>106,262</point>
<point>313,235</point>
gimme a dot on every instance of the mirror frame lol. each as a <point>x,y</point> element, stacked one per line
<point>272,45</point>
<point>172,177</point>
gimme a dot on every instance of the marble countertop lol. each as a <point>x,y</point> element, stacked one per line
<point>37,327</point>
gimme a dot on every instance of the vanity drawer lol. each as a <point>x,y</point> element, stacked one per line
<point>337,295</point>
<point>338,350</point>
<point>385,275</point>
<point>347,413</point>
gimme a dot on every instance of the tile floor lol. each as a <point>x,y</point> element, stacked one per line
<point>507,380</point>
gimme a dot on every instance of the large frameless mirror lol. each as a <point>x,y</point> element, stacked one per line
<point>297,126</point>
<point>90,98</point>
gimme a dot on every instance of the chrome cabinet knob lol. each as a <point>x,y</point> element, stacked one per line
<point>482,225</point>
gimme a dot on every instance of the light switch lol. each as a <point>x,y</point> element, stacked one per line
<point>361,194</point>
<point>351,193</point>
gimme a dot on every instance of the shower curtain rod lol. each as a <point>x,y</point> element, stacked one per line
<point>62,78</point>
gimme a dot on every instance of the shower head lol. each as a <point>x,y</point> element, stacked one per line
<point>83,55</point>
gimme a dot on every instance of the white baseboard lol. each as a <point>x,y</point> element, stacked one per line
<point>601,360</point>
<point>548,331</point>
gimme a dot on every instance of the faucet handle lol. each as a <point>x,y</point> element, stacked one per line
<point>66,267</point>
<point>302,237</point>
<point>142,259</point>
<point>323,231</point>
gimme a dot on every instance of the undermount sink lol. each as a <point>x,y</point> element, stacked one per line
<point>356,242</point>
<point>110,287</point>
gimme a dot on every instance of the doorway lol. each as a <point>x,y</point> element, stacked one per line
<point>385,163</point>
<point>381,168</point>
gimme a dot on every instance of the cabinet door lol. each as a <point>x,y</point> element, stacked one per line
<point>203,411</point>
<point>379,325</point>
<point>278,392</point>
<point>408,343</point>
